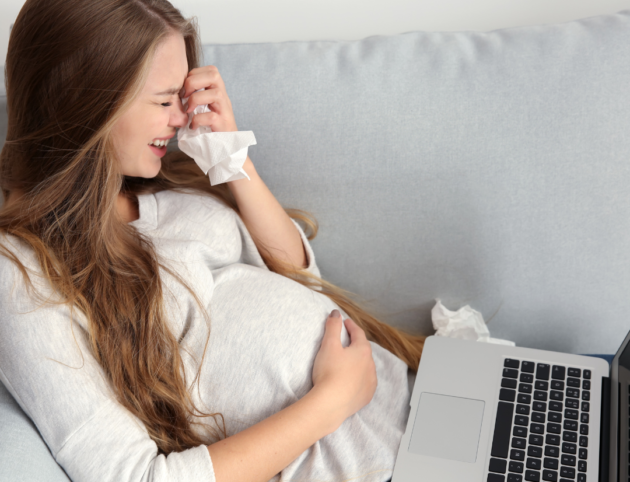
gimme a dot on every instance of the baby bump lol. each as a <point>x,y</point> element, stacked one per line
<point>265,332</point>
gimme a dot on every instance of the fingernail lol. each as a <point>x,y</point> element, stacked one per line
<point>335,314</point>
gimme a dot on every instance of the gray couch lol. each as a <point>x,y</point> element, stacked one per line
<point>489,169</point>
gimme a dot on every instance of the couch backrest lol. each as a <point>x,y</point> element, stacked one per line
<point>482,168</point>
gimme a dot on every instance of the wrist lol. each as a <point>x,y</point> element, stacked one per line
<point>330,414</point>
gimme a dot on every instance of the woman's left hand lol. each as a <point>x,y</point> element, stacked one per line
<point>221,119</point>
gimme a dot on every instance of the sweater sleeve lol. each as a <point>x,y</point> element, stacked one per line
<point>46,364</point>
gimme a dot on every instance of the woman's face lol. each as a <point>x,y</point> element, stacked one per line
<point>155,113</point>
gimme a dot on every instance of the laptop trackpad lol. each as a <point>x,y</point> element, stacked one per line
<point>447,427</point>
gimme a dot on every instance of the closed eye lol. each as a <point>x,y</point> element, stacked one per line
<point>167,104</point>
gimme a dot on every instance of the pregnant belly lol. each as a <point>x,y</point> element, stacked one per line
<point>265,332</point>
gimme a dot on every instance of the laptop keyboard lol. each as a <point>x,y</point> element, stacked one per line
<point>541,429</point>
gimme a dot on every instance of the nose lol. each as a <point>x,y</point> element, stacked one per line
<point>179,118</point>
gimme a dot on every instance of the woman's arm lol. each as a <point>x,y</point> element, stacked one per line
<point>262,214</point>
<point>262,450</point>
<point>265,218</point>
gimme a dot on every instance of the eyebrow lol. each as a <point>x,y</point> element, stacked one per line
<point>172,91</point>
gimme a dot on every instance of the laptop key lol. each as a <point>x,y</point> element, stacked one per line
<point>568,460</point>
<point>557,372</point>
<point>567,472</point>
<point>539,395</point>
<point>498,465</point>
<point>508,383</point>
<point>573,382</point>
<point>568,448</point>
<point>575,372</point>
<point>527,367</point>
<point>519,431</point>
<point>554,427</point>
<point>502,426</point>
<point>524,398</point>
<point>573,393</point>
<point>539,406</point>
<point>551,439</point>
<point>572,414</point>
<point>582,465</point>
<point>521,420</point>
<point>584,429</point>
<point>536,440</point>
<point>516,467</point>
<point>524,388</point>
<point>583,454</point>
<point>581,478</point>
<point>569,436</point>
<point>571,425</point>
<point>538,416</point>
<point>532,475</point>
<point>550,475</point>
<point>519,443</point>
<point>537,428</point>
<point>583,441</point>
<point>507,395</point>
<point>526,378</point>
<point>514,478</point>
<point>586,406</point>
<point>586,384</point>
<point>555,417</point>
<point>510,373</point>
<point>550,463</point>
<point>555,406</point>
<point>584,418</point>
<point>522,409</point>
<point>572,403</point>
<point>551,451</point>
<point>587,374</point>
<point>534,451</point>
<point>542,371</point>
<point>496,478</point>
<point>511,363</point>
<point>586,395</point>
<point>556,385</point>
<point>541,385</point>
<point>517,455</point>
<point>556,395</point>
<point>533,463</point>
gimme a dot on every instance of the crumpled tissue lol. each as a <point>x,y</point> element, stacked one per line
<point>220,155</point>
<point>465,323</point>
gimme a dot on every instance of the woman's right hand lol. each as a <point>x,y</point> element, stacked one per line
<point>346,375</point>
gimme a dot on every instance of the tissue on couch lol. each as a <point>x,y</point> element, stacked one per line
<point>465,323</point>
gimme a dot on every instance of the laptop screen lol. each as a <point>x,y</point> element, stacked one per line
<point>624,410</point>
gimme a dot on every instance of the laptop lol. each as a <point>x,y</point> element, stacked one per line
<point>484,412</point>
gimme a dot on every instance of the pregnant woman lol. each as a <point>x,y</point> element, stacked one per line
<point>152,326</point>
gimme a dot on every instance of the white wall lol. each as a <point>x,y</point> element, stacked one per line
<point>242,21</point>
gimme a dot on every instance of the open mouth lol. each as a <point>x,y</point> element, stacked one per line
<point>160,148</point>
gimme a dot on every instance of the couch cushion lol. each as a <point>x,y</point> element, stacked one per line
<point>482,168</point>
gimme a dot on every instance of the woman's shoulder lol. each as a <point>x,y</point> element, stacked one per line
<point>191,208</point>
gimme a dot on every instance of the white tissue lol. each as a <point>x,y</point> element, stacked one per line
<point>465,323</point>
<point>220,155</point>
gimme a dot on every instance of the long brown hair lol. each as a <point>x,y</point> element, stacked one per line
<point>62,102</point>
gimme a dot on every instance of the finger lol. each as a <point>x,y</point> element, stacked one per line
<point>198,79</point>
<point>203,97</point>
<point>205,119</point>
<point>332,333</point>
<point>355,331</point>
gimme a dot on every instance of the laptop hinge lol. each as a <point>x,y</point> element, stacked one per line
<point>604,435</point>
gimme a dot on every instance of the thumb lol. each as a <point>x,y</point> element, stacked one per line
<point>333,328</point>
